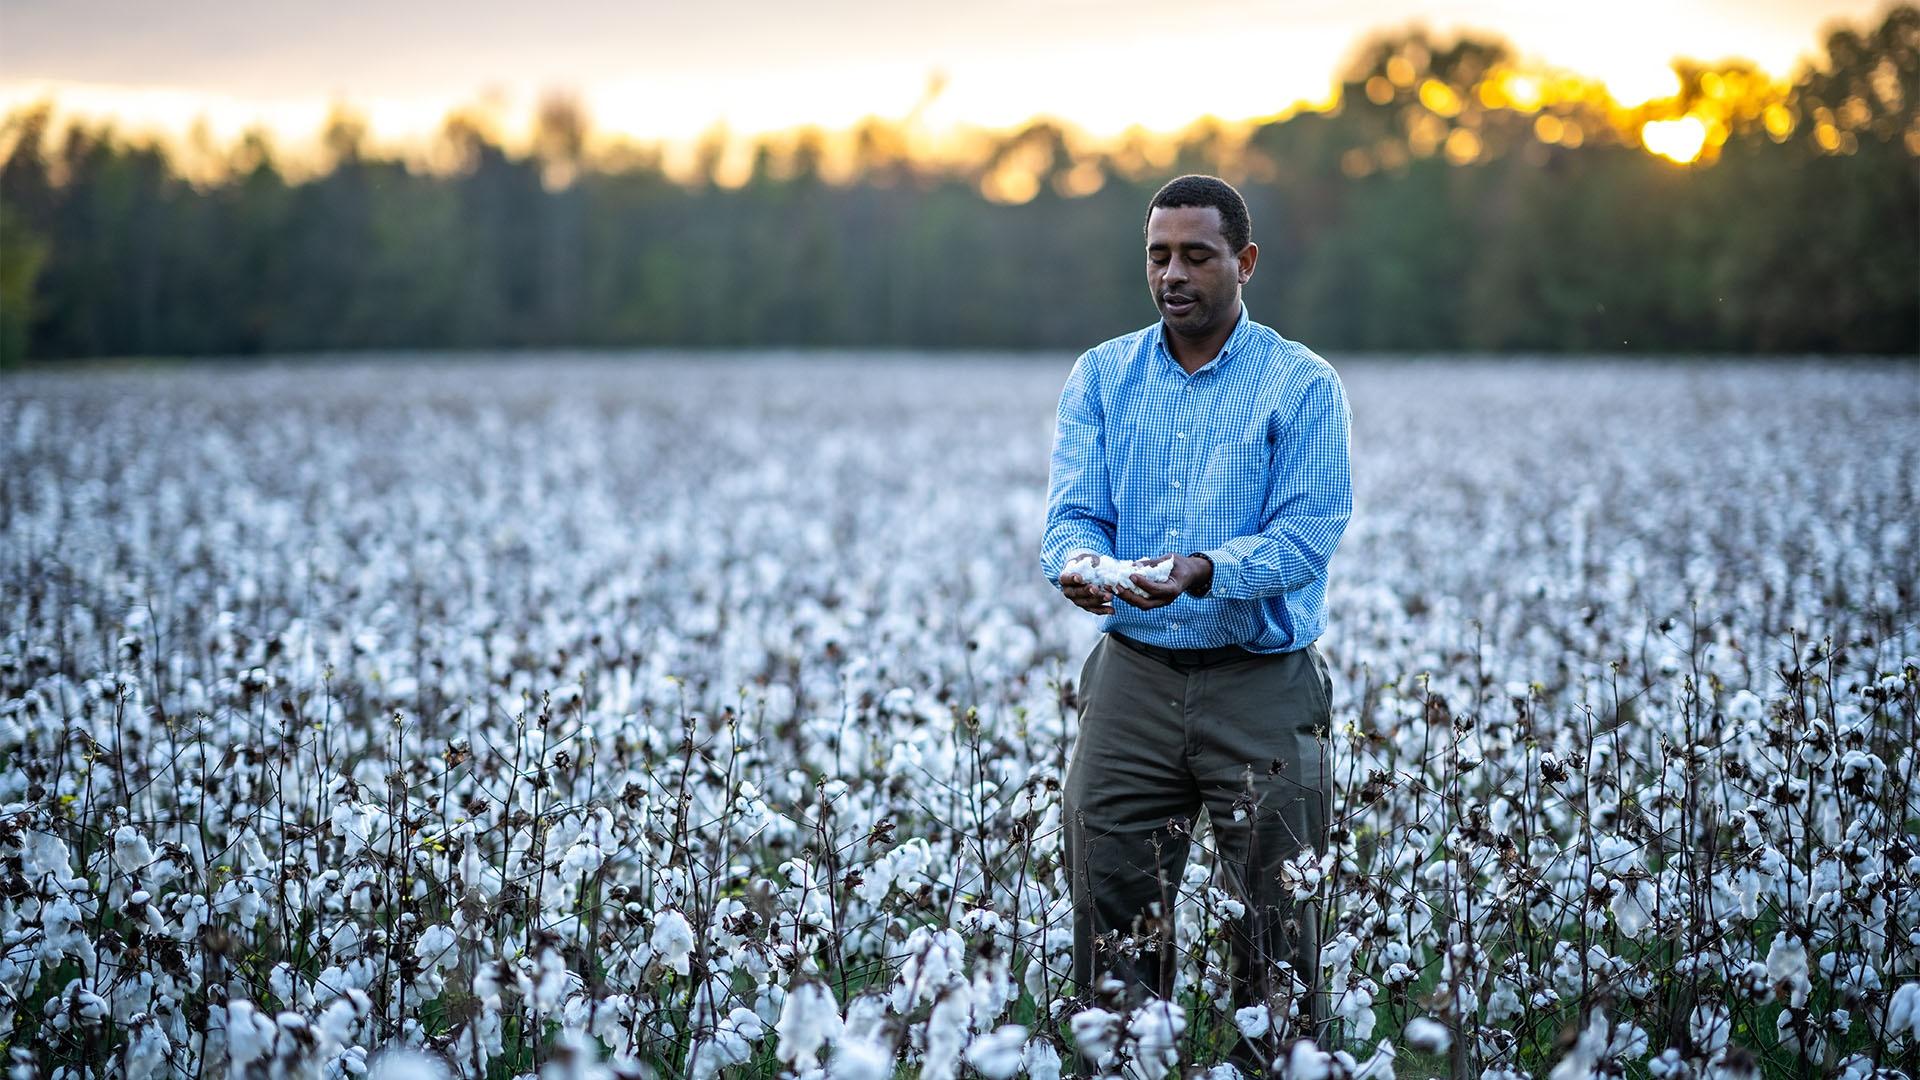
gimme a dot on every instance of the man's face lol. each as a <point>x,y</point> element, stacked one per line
<point>1194,275</point>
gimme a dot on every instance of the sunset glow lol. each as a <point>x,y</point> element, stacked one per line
<point>679,78</point>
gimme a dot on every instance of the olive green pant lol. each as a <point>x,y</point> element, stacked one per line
<point>1246,740</point>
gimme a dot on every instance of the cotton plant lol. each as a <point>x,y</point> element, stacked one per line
<point>415,749</point>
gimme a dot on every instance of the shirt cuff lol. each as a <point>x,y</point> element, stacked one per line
<point>1226,574</point>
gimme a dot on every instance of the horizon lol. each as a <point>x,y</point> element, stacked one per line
<point>946,100</point>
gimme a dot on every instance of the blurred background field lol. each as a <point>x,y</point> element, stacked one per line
<point>1439,191</point>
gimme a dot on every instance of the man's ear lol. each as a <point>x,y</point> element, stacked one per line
<point>1247,257</point>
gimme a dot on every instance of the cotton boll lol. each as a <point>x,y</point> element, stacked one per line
<point>1427,1035</point>
<point>1306,1061</point>
<point>731,1044</point>
<point>1787,963</point>
<point>1903,1014</point>
<point>999,1053</point>
<point>746,1022</point>
<point>335,1025</point>
<point>1041,1059</point>
<point>1109,572</point>
<point>582,857</point>
<point>250,1034</point>
<point>672,940</point>
<point>1855,1067</point>
<point>89,1008</point>
<point>861,1059</point>
<point>281,982</point>
<point>131,997</point>
<point>436,947</point>
<point>1034,981</point>
<point>992,988</point>
<point>44,854</point>
<point>1710,1026</point>
<point>401,1064</point>
<point>253,857</point>
<point>552,982</point>
<point>809,1020</point>
<point>146,1056</point>
<point>1355,1006</point>
<point>1667,1063</point>
<point>1153,1031</point>
<point>574,1056</point>
<point>1253,1021</point>
<point>1096,1032</point>
<point>1223,904</point>
<point>1629,1042</point>
<point>933,957</point>
<point>1301,874</point>
<point>1379,1066</point>
<point>131,852</point>
<point>1632,906</point>
<point>947,1033</point>
<point>709,1056</point>
<point>239,897</point>
<point>63,933</point>
<point>1787,1029</point>
<point>1588,1051</point>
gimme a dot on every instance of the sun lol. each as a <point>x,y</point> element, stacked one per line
<point>1676,140</point>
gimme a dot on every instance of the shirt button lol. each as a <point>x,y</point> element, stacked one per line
<point>1176,483</point>
<point>1173,532</point>
<point>1176,626</point>
<point>1179,434</point>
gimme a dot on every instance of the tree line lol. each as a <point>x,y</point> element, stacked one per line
<point>1448,202</point>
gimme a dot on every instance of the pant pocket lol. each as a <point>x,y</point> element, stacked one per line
<point>1308,692</point>
<point>1083,697</point>
<point>1326,679</point>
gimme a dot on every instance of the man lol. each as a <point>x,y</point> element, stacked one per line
<point>1209,440</point>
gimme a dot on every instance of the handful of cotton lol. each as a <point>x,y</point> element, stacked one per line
<point>1114,573</point>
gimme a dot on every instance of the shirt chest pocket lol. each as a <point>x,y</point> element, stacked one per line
<point>1234,482</point>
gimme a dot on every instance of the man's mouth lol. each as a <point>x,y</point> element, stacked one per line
<point>1176,304</point>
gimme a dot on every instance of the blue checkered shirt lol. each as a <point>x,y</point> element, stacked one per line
<point>1244,460</point>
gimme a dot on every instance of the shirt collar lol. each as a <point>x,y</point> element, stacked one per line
<point>1227,350</point>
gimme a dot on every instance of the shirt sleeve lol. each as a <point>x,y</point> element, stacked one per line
<point>1307,507</point>
<point>1080,511</point>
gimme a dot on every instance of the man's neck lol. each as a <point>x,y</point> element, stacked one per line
<point>1194,355</point>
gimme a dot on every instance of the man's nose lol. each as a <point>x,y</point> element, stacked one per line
<point>1176,270</point>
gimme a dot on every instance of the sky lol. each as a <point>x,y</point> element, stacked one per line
<point>670,71</point>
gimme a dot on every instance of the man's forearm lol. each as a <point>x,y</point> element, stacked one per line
<point>1273,563</point>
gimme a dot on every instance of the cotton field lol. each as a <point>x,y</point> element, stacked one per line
<point>700,716</point>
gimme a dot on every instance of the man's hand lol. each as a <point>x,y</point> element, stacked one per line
<point>1190,574</point>
<point>1092,598</point>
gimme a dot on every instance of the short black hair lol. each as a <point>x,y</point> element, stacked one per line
<point>1195,189</point>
